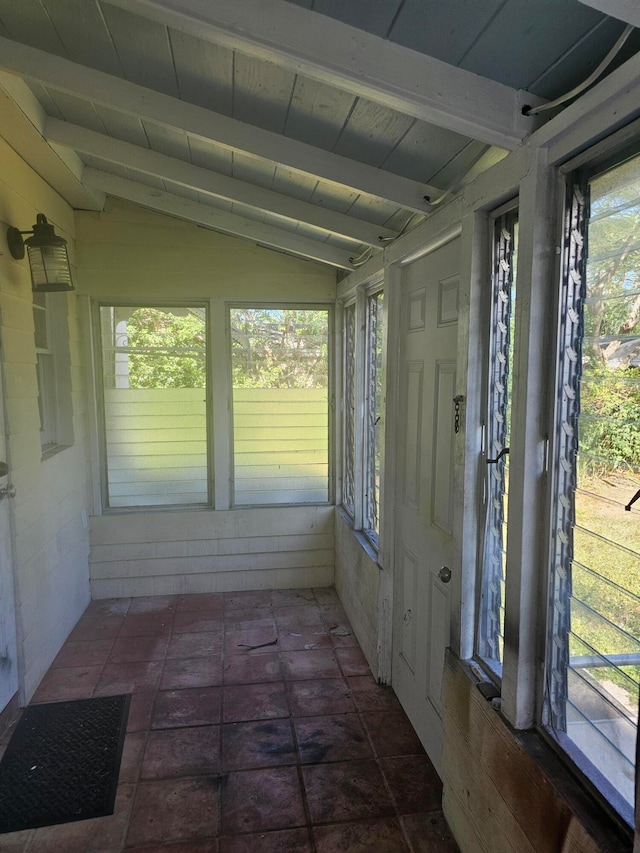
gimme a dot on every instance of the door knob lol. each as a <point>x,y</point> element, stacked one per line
<point>445,574</point>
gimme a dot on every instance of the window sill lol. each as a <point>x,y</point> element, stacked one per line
<point>50,450</point>
<point>361,538</point>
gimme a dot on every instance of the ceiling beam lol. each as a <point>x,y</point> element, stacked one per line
<point>22,122</point>
<point>218,220</point>
<point>324,49</point>
<point>212,183</point>
<point>133,99</point>
<point>623,10</point>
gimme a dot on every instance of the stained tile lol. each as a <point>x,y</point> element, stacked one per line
<point>392,733</point>
<point>331,738</point>
<point>147,624</point>
<point>262,743</point>
<point>245,599</point>
<point>429,833</point>
<point>246,669</point>
<point>140,711</point>
<point>152,604</point>
<point>352,661</point>
<point>198,645</point>
<point>208,846</point>
<point>370,696</point>
<point>196,621</point>
<point>304,639</point>
<point>334,614</point>
<point>326,595</point>
<point>182,752</point>
<point>319,696</point>
<point>71,682</point>
<point>84,653</point>
<point>278,841</point>
<point>191,672</point>
<point>207,601</point>
<point>253,641</point>
<point>93,628</point>
<point>16,842</point>
<point>414,783</point>
<point>315,663</point>
<point>248,620</point>
<point>174,810</point>
<point>292,597</point>
<point>197,706</point>
<point>254,800</point>
<point>347,790</point>
<point>298,618</point>
<point>134,744</point>
<point>144,648</point>
<point>108,607</point>
<point>129,678</point>
<point>381,836</point>
<point>254,701</point>
<point>86,836</point>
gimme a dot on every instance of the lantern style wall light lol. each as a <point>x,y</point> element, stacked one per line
<point>47,252</point>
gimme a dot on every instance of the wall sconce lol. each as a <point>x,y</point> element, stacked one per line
<point>47,253</point>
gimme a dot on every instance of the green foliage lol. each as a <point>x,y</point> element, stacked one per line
<point>610,422</point>
<point>170,349</point>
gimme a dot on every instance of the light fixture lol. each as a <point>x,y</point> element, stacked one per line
<point>47,253</point>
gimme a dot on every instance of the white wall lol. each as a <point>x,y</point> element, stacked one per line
<point>128,253</point>
<point>50,547</point>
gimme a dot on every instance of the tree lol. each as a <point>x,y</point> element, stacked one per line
<point>166,349</point>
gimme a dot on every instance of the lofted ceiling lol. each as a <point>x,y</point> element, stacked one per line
<point>323,128</point>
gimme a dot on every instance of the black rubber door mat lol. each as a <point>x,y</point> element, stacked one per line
<point>62,763</point>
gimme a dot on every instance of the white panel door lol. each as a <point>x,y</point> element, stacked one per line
<point>429,316</point>
<point>8,646</point>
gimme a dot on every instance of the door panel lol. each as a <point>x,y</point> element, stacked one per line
<point>429,310</point>
<point>8,646</point>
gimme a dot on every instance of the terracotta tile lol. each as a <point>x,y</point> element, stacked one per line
<point>108,607</point>
<point>319,696</point>
<point>247,599</point>
<point>414,783</point>
<point>292,597</point>
<point>298,618</point>
<point>96,628</point>
<point>72,682</point>
<point>16,842</point>
<point>198,706</point>
<point>370,696</point>
<point>196,621</point>
<point>208,601</point>
<point>83,836</point>
<point>134,744</point>
<point>84,653</point>
<point>280,841</point>
<point>392,733</point>
<point>182,752</point>
<point>352,661</point>
<point>262,743</point>
<point>152,604</point>
<point>289,641</point>
<point>429,833</point>
<point>331,738</point>
<point>136,677</point>
<point>326,595</point>
<point>254,701</point>
<point>140,711</point>
<point>342,635</point>
<point>248,620</point>
<point>147,624</point>
<point>209,846</point>
<point>348,790</point>
<point>191,672</point>
<point>198,645</point>
<point>334,613</point>
<point>315,663</point>
<point>144,648</point>
<point>254,800</point>
<point>383,836</point>
<point>243,642</point>
<point>246,669</point>
<point>174,810</point>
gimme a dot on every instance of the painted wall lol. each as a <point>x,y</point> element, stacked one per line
<point>50,547</point>
<point>128,253</point>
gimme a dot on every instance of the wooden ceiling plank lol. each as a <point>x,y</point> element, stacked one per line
<point>369,66</point>
<point>180,172</point>
<point>624,10</point>
<point>218,220</point>
<point>135,100</point>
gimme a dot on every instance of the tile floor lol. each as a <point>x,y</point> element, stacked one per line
<point>237,742</point>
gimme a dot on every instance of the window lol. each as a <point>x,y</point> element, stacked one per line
<point>363,410</point>
<point>373,414</point>
<point>280,379</point>
<point>53,371</point>
<point>593,649</point>
<point>155,405</point>
<point>490,626</point>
